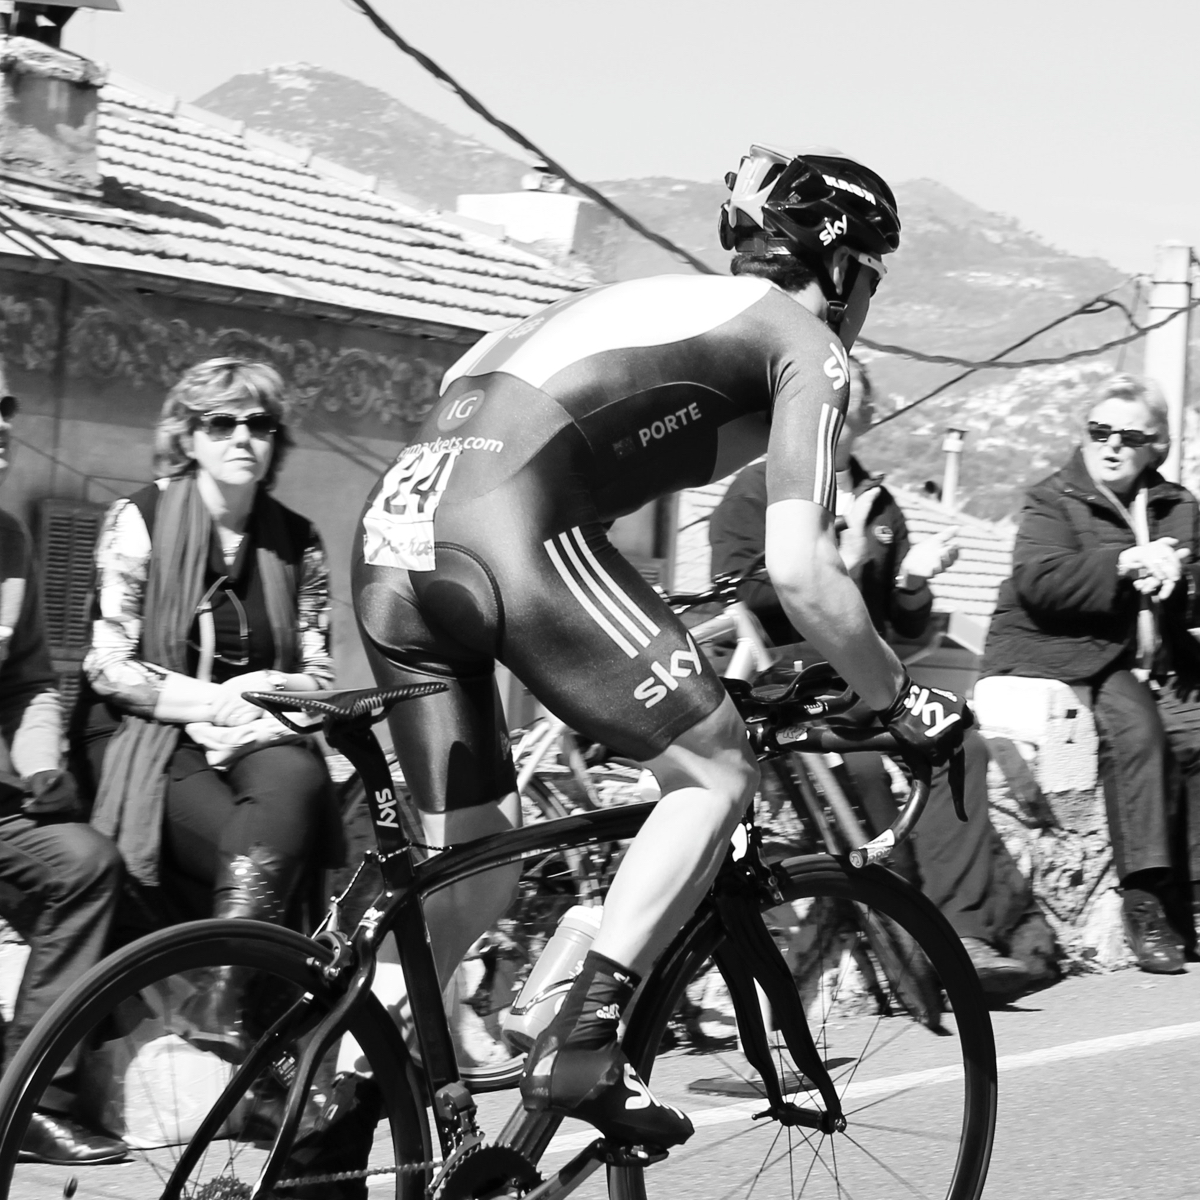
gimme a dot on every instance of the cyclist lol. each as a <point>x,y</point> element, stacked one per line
<point>485,541</point>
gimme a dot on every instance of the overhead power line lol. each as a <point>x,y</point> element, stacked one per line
<point>517,136</point>
<point>1100,303</point>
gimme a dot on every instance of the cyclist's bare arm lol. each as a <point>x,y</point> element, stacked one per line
<point>822,601</point>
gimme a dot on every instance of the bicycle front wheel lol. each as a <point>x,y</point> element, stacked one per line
<point>197,1104</point>
<point>920,1103</point>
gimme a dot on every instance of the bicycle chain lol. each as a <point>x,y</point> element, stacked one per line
<point>347,1176</point>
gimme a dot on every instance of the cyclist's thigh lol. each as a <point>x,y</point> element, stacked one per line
<point>453,745</point>
<point>594,642</point>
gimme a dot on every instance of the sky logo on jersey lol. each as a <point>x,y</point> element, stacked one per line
<point>458,411</point>
<point>832,230</point>
<point>837,365</point>
<point>654,688</point>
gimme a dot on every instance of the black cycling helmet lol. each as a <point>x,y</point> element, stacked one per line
<point>807,205</point>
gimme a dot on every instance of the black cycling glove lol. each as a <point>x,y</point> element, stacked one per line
<point>929,720</point>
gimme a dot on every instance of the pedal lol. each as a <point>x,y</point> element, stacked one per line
<point>620,1154</point>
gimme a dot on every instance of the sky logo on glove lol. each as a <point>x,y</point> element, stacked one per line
<point>930,712</point>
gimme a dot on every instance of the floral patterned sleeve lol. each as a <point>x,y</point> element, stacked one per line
<point>122,568</point>
<point>314,615</point>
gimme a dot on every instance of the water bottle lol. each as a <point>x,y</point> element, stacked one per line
<point>552,975</point>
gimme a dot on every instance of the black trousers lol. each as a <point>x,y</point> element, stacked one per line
<point>59,885</point>
<point>963,868</point>
<point>278,796</point>
<point>1150,772</point>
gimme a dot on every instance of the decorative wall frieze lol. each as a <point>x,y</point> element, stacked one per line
<point>105,347</point>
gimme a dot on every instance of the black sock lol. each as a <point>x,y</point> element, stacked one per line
<point>1152,880</point>
<point>592,1009</point>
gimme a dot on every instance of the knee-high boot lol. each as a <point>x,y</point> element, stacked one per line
<point>258,886</point>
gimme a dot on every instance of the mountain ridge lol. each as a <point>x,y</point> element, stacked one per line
<point>966,281</point>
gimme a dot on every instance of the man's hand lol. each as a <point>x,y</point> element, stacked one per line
<point>931,556</point>
<point>930,721</point>
<point>52,794</point>
<point>852,541</point>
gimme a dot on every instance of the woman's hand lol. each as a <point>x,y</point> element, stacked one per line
<point>1155,568</point>
<point>230,709</point>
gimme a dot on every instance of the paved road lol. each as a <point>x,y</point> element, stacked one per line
<point>1099,1100</point>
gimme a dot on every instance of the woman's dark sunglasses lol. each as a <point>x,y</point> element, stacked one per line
<point>1135,438</point>
<point>8,407</point>
<point>221,425</point>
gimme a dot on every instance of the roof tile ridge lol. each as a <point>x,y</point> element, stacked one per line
<point>935,509</point>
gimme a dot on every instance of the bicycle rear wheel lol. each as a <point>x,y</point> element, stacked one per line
<point>920,1105</point>
<point>137,1029</point>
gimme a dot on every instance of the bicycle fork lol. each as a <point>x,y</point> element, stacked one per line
<point>749,954</point>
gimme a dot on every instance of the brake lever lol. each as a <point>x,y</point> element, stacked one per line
<point>957,775</point>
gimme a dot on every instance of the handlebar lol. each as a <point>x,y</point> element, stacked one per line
<point>780,720</point>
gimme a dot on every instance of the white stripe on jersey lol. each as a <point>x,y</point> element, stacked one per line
<point>588,607</point>
<point>642,312</point>
<point>828,428</point>
<point>577,537</point>
<point>598,591</point>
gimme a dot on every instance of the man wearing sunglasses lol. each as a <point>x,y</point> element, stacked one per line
<point>487,540</point>
<point>1102,596</point>
<point>58,878</point>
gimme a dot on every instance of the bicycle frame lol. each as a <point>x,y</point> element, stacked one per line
<point>749,955</point>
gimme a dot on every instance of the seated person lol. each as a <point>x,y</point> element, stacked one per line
<point>957,866</point>
<point>1102,594</point>
<point>59,879</point>
<point>208,587</point>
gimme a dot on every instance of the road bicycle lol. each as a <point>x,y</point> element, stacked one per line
<point>819,794</point>
<point>831,1093</point>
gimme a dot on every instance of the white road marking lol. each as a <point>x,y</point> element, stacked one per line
<point>743,1110</point>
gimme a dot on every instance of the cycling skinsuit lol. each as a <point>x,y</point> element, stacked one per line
<point>486,539</point>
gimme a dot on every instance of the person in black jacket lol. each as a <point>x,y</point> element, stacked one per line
<point>961,868</point>
<point>1102,595</point>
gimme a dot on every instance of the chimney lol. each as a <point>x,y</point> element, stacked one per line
<point>48,100</point>
<point>952,445</point>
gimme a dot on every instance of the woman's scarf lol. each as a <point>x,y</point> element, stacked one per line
<point>133,783</point>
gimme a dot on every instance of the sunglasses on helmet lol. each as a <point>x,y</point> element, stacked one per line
<point>1134,438</point>
<point>221,425</point>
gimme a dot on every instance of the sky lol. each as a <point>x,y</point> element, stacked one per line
<point>1081,120</point>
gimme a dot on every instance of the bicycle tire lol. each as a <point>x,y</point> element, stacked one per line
<point>169,1087</point>
<point>923,1125</point>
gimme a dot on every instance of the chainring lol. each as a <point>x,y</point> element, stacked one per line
<point>480,1172</point>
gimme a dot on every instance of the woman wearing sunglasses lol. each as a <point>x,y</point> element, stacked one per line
<point>1102,595</point>
<point>208,587</point>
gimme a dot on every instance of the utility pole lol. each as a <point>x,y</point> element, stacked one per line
<point>1167,347</point>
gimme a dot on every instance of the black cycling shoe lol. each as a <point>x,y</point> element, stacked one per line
<point>602,1088</point>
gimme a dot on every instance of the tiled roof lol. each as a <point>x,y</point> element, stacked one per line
<point>193,196</point>
<point>969,586</point>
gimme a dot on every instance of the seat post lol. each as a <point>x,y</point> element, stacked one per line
<point>359,744</point>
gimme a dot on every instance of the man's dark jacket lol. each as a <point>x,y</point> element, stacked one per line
<point>737,534</point>
<point>1063,613</point>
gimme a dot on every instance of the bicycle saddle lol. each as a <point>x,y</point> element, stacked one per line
<point>343,705</point>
